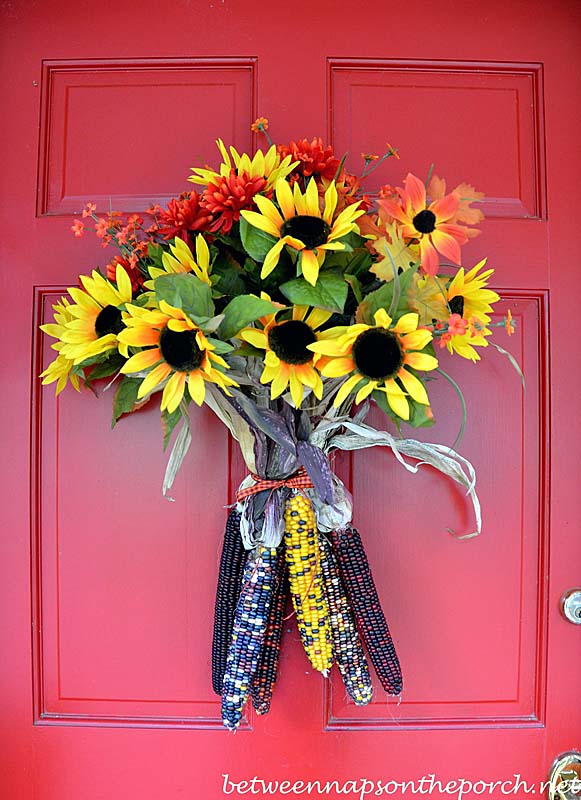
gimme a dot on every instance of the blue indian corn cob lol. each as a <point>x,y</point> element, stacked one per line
<point>262,685</point>
<point>230,573</point>
<point>347,647</point>
<point>250,621</point>
<point>358,581</point>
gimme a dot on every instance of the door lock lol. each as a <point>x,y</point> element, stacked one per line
<point>571,606</point>
<point>565,777</point>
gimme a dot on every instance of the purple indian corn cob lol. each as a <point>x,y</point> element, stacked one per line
<point>262,685</point>
<point>347,647</point>
<point>230,573</point>
<point>250,621</point>
<point>358,581</point>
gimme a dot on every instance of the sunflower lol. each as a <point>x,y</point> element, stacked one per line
<point>182,260</point>
<point>303,226</point>
<point>269,167</point>
<point>464,295</point>
<point>287,360</point>
<point>376,358</point>
<point>176,349</point>
<point>60,369</point>
<point>96,316</point>
<point>429,224</point>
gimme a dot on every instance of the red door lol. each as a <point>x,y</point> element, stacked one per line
<point>107,589</point>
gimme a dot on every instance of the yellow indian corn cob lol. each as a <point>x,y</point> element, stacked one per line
<point>304,565</point>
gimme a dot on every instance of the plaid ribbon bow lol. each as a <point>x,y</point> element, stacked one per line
<point>298,480</point>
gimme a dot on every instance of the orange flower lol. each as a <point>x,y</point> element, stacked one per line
<point>430,225</point>
<point>456,325</point>
<point>313,157</point>
<point>78,228</point>
<point>508,323</point>
<point>259,125</point>
<point>227,196</point>
<point>467,194</point>
<point>89,209</point>
<point>184,213</point>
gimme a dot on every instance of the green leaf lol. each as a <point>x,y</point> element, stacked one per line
<point>241,311</point>
<point>187,292</point>
<point>125,397</point>
<point>420,416</point>
<point>108,367</point>
<point>168,423</point>
<point>382,298</point>
<point>355,285</point>
<point>248,351</point>
<point>257,243</point>
<point>329,292</point>
<point>155,253</point>
<point>227,275</point>
<point>220,347</point>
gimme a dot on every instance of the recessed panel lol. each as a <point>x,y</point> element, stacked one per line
<point>480,123</point>
<point>124,134</point>
<point>466,616</point>
<point>126,578</point>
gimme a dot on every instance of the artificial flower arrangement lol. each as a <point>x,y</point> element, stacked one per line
<point>284,298</point>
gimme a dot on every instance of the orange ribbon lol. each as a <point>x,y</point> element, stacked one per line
<point>298,480</point>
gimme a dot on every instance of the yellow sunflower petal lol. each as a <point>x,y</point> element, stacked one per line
<point>422,361</point>
<point>338,367</point>
<point>318,317</point>
<point>284,197</point>
<point>261,222</point>
<point>173,392</point>
<point>382,318</point>
<point>269,210</point>
<point>416,340</point>
<point>312,199</point>
<point>271,259</point>
<point>155,377</point>
<point>196,387</point>
<point>399,405</point>
<point>141,361</point>
<point>365,391</point>
<point>346,388</point>
<point>407,323</point>
<point>280,381</point>
<point>309,266</point>
<point>296,388</point>
<point>414,387</point>
<point>254,337</point>
<point>330,203</point>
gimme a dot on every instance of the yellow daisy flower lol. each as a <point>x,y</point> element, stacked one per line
<point>182,259</point>
<point>302,225</point>
<point>177,351</point>
<point>262,165</point>
<point>466,294</point>
<point>96,316</point>
<point>287,361</point>
<point>375,359</point>
<point>59,370</point>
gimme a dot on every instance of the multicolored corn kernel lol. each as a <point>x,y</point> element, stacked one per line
<point>362,593</point>
<point>347,647</point>
<point>306,585</point>
<point>230,573</point>
<point>250,621</point>
<point>262,685</point>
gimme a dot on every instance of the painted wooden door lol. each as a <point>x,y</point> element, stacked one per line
<point>107,589</point>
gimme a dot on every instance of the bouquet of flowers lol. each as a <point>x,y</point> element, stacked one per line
<point>283,297</point>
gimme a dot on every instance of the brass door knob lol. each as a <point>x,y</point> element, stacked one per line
<point>565,777</point>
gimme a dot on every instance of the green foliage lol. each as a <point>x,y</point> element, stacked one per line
<point>185,291</point>
<point>241,311</point>
<point>108,367</point>
<point>168,423</point>
<point>383,297</point>
<point>329,292</point>
<point>257,243</point>
<point>125,397</point>
<point>155,254</point>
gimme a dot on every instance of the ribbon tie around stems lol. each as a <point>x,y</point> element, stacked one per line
<point>298,480</point>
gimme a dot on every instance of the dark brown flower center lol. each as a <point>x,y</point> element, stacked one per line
<point>457,305</point>
<point>180,350</point>
<point>377,354</point>
<point>312,231</point>
<point>289,340</point>
<point>425,221</point>
<point>108,321</point>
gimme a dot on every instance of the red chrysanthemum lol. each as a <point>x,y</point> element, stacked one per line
<point>314,158</point>
<point>184,213</point>
<point>226,197</point>
<point>130,267</point>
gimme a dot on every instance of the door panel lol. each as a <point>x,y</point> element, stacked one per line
<point>108,587</point>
